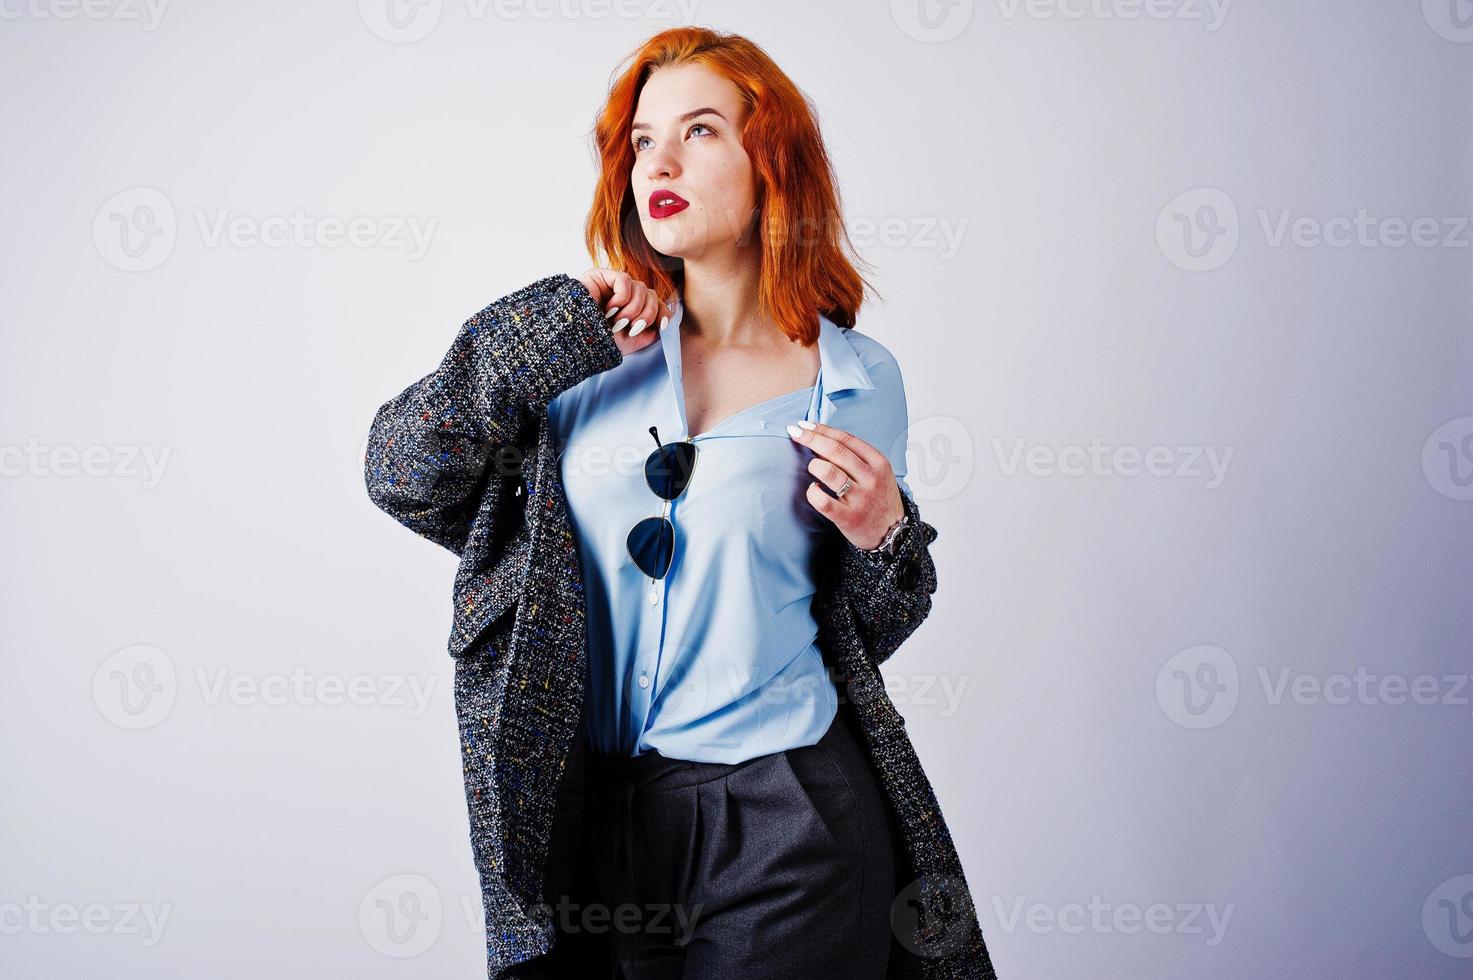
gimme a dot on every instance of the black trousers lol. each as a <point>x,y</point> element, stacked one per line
<point>780,867</point>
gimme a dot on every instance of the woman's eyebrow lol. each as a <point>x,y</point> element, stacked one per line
<point>689,115</point>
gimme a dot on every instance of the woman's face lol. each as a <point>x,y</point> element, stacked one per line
<point>696,159</point>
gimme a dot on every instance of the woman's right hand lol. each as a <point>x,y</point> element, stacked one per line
<point>626,302</point>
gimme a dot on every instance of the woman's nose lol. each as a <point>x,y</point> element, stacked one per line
<point>661,165</point>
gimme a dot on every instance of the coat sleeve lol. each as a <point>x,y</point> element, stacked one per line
<point>433,448</point>
<point>890,597</point>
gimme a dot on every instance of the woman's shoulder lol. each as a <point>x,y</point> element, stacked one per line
<point>881,366</point>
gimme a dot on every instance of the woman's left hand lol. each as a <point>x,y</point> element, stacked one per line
<point>872,503</point>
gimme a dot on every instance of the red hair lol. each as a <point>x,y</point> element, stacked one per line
<point>804,270</point>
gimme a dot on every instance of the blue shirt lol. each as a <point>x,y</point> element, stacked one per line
<point>717,661</point>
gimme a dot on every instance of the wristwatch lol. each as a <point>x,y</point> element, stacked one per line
<point>890,544</point>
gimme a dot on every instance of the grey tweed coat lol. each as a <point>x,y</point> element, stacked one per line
<point>465,457</point>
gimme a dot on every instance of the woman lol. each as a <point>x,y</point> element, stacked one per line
<point>717,788</point>
<point>748,810</point>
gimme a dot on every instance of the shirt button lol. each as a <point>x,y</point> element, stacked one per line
<point>644,680</point>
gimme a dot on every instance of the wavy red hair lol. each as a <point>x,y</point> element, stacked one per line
<point>806,268</point>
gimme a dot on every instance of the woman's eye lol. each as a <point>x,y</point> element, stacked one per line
<point>693,128</point>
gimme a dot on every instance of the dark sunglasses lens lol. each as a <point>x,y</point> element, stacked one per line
<point>668,469</point>
<point>652,545</point>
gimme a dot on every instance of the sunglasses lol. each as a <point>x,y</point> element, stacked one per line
<point>668,472</point>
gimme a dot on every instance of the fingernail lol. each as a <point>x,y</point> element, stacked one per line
<point>806,424</point>
<point>620,325</point>
<point>794,431</point>
<point>638,326</point>
<point>664,320</point>
<point>611,312</point>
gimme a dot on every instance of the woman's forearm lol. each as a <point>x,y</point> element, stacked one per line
<point>434,448</point>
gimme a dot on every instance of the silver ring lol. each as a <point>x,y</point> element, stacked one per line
<point>844,489</point>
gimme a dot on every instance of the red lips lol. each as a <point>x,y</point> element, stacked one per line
<point>665,203</point>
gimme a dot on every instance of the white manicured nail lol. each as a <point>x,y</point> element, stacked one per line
<point>794,431</point>
<point>806,424</point>
<point>638,326</point>
<point>620,325</point>
<point>664,320</point>
<point>611,312</point>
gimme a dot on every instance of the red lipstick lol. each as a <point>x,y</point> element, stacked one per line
<point>665,203</point>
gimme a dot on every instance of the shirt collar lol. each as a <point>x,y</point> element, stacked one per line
<point>840,368</point>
